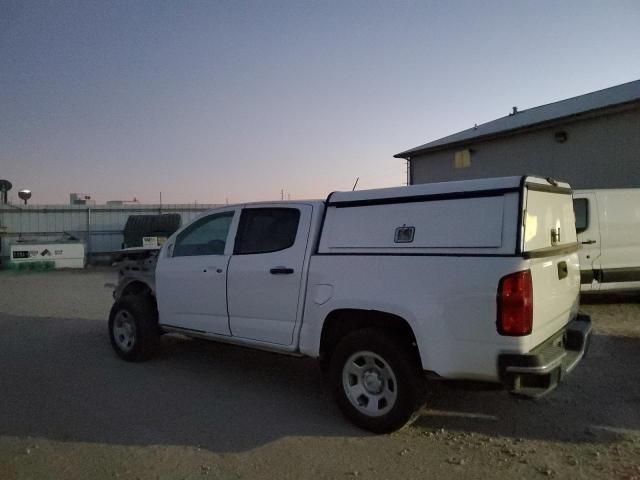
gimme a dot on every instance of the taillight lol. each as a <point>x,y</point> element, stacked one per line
<point>515,304</point>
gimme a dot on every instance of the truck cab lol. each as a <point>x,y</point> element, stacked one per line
<point>238,272</point>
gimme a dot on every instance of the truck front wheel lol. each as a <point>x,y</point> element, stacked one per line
<point>375,380</point>
<point>133,327</point>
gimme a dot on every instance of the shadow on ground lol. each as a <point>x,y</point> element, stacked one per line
<point>610,298</point>
<point>597,401</point>
<point>61,380</point>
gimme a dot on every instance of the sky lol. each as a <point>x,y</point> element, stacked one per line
<point>215,101</point>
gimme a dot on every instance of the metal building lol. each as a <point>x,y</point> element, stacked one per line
<point>100,227</point>
<point>591,141</point>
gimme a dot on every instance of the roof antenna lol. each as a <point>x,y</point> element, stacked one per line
<point>355,184</point>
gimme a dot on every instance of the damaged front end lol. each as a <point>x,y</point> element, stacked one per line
<point>136,271</point>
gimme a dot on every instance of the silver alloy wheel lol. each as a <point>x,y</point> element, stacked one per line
<point>369,383</point>
<point>124,330</point>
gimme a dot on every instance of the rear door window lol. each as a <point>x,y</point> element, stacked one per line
<point>265,230</point>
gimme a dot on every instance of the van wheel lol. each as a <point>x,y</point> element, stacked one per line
<point>133,327</point>
<point>376,381</point>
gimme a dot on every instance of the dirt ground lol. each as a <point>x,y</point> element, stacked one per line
<point>70,409</point>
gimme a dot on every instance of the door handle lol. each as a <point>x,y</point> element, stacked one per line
<point>218,270</point>
<point>588,242</point>
<point>281,271</point>
<point>563,270</point>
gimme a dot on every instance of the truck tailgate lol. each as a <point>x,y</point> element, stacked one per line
<point>556,286</point>
<point>550,244</point>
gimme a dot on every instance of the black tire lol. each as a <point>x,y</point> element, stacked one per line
<point>400,358</point>
<point>139,312</point>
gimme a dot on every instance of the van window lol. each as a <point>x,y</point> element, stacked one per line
<point>581,209</point>
<point>264,230</point>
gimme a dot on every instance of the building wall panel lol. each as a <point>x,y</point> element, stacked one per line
<point>602,152</point>
<point>99,227</point>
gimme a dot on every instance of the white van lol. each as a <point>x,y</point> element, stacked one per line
<point>608,227</point>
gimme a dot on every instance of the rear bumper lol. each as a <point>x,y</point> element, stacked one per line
<point>538,372</point>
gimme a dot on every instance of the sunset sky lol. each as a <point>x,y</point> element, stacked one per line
<point>210,101</point>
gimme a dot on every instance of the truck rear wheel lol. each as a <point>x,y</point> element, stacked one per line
<point>133,327</point>
<point>376,381</point>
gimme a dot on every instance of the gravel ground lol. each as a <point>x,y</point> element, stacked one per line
<point>70,409</point>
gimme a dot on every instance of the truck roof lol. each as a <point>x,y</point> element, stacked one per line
<point>628,190</point>
<point>314,202</point>
<point>441,188</point>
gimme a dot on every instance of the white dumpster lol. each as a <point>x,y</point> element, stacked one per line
<point>63,254</point>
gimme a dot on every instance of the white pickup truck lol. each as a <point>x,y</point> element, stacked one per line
<point>474,280</point>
